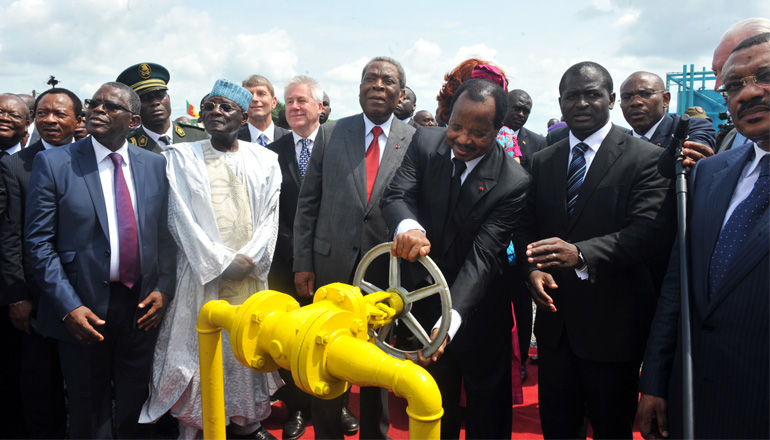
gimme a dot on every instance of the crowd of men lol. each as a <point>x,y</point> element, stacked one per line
<point>117,225</point>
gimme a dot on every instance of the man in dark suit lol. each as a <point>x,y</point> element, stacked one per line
<point>158,131</point>
<point>303,97</point>
<point>98,244</point>
<point>730,329</point>
<point>645,101</point>
<point>597,212</point>
<point>338,213</point>
<point>14,118</point>
<point>57,114</point>
<point>519,107</point>
<point>260,128</point>
<point>464,230</point>
<point>405,109</point>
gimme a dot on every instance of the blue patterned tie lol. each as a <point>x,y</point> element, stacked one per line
<point>304,158</point>
<point>739,225</point>
<point>575,175</point>
<point>262,140</point>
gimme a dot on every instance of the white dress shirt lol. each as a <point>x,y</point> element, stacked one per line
<point>107,178</point>
<point>255,132</point>
<point>746,182</point>
<point>298,143</point>
<point>594,142</point>
<point>650,132</point>
<point>383,139</point>
<point>156,136</point>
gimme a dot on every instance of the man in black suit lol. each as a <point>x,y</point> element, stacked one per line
<point>464,230</point>
<point>57,114</point>
<point>519,107</point>
<point>729,284</point>
<point>405,109</point>
<point>304,105</point>
<point>597,211</point>
<point>260,128</point>
<point>645,101</point>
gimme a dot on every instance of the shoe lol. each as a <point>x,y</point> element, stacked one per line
<point>294,426</point>
<point>524,373</point>
<point>262,434</point>
<point>349,422</point>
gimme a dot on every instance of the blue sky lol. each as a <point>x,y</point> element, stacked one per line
<point>88,42</point>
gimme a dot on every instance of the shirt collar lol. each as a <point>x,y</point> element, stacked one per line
<point>754,164</point>
<point>156,136</point>
<point>269,132</point>
<point>46,145</point>
<point>298,138</point>
<point>13,149</point>
<point>101,151</point>
<point>650,132</point>
<point>470,164</point>
<point>594,141</point>
<point>368,125</point>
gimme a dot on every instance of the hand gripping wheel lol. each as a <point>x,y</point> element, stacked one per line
<point>406,298</point>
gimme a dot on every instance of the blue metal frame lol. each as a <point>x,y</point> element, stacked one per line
<point>693,91</point>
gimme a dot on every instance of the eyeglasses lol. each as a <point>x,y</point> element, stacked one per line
<point>643,94</point>
<point>209,106</point>
<point>733,87</point>
<point>13,116</point>
<point>110,107</point>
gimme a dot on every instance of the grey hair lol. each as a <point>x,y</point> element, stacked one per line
<point>401,73</point>
<point>315,87</point>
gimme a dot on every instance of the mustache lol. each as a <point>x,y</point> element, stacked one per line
<point>751,104</point>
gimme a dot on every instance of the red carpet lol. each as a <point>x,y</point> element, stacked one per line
<point>526,419</point>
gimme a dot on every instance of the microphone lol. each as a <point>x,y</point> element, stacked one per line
<point>667,158</point>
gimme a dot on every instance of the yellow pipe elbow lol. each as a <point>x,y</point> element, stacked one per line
<point>211,370</point>
<point>372,367</point>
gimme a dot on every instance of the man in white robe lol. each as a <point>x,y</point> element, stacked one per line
<point>223,213</point>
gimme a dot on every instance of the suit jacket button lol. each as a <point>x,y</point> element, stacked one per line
<point>105,283</point>
<point>106,253</point>
<point>708,328</point>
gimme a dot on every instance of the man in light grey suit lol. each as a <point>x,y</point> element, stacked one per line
<point>338,215</point>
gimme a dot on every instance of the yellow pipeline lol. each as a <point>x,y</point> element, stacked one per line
<point>324,345</point>
<point>364,364</point>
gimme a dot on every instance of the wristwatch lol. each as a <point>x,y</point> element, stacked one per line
<point>582,261</point>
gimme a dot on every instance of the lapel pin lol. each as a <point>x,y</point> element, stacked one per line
<point>481,188</point>
<point>398,146</point>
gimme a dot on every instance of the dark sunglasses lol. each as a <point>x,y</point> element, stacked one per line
<point>209,106</point>
<point>110,107</point>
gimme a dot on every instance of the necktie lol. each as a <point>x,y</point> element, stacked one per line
<point>127,234</point>
<point>304,158</point>
<point>262,140</point>
<point>575,175</point>
<point>456,184</point>
<point>738,226</point>
<point>166,140</point>
<point>372,161</point>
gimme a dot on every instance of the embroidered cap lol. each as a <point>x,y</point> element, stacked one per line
<point>233,91</point>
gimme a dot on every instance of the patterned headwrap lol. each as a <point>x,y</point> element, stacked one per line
<point>491,73</point>
<point>233,91</point>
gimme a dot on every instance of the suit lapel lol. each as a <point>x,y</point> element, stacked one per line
<point>391,158</point>
<point>477,184</point>
<point>440,166</point>
<point>663,130</point>
<point>610,150</point>
<point>355,152</point>
<point>718,199</point>
<point>83,155</point>
<point>559,163</point>
<point>290,156</point>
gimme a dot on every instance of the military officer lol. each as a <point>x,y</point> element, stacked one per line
<point>150,82</point>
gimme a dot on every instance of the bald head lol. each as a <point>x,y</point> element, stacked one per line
<point>519,107</point>
<point>643,100</point>
<point>732,36</point>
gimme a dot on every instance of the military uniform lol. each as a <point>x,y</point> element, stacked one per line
<point>145,78</point>
<point>183,132</point>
